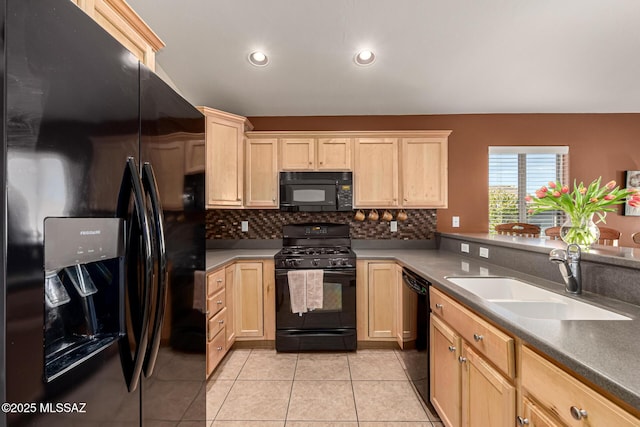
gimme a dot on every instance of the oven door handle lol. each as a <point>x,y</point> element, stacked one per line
<point>326,272</point>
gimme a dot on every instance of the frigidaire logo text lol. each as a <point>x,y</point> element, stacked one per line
<point>89,232</point>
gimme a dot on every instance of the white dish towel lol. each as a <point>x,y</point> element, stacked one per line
<point>305,290</point>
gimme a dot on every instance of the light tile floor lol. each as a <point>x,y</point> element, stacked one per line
<point>367,388</point>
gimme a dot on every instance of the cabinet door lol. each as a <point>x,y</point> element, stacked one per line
<point>376,177</point>
<point>382,297</point>
<point>261,173</point>
<point>224,173</point>
<point>406,311</point>
<point>488,399</point>
<point>445,372</point>
<point>249,317</point>
<point>535,417</point>
<point>334,154</point>
<point>230,331</point>
<point>297,153</point>
<point>424,172</point>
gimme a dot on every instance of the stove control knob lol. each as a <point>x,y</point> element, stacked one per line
<point>343,262</point>
<point>297,262</point>
<point>315,262</point>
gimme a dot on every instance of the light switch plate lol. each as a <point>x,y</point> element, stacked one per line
<point>484,252</point>
<point>394,226</point>
<point>464,247</point>
<point>455,221</point>
<point>244,226</point>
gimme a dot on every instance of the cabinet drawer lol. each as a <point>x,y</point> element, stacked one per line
<point>216,303</point>
<point>216,323</point>
<point>559,392</point>
<point>215,281</point>
<point>491,342</point>
<point>215,351</point>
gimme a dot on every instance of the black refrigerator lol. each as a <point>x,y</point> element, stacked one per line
<point>102,230</point>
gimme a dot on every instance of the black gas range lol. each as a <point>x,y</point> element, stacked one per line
<point>309,248</point>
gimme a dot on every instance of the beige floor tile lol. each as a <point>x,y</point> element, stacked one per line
<point>231,365</point>
<point>248,424</point>
<point>387,401</point>
<point>197,409</point>
<point>320,366</point>
<point>376,365</point>
<point>268,365</point>
<point>322,401</point>
<point>256,400</point>
<point>217,391</point>
<point>320,424</point>
<point>395,424</point>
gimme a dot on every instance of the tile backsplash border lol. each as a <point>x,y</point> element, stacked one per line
<point>225,224</point>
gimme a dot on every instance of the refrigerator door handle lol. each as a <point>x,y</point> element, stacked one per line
<point>131,183</point>
<point>150,186</point>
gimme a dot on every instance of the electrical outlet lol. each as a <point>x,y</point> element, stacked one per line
<point>464,266</point>
<point>464,247</point>
<point>484,252</point>
<point>244,226</point>
<point>455,221</point>
<point>394,226</point>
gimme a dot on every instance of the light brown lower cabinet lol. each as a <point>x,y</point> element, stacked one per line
<point>445,372</point>
<point>216,314</point>
<point>548,389</point>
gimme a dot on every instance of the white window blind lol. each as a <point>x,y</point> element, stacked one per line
<point>515,172</point>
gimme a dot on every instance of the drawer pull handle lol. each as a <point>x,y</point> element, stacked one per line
<point>452,348</point>
<point>219,348</point>
<point>578,413</point>
<point>219,302</point>
<point>439,306</point>
<point>477,337</point>
<point>219,280</point>
<point>522,421</point>
<point>221,322</point>
<point>462,359</point>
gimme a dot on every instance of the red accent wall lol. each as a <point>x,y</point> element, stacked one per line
<point>599,145</point>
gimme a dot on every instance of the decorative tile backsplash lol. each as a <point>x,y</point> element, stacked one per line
<point>267,224</point>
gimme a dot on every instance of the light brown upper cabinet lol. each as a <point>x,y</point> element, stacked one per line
<point>401,169</point>
<point>424,172</point>
<point>261,173</point>
<point>376,172</point>
<point>224,158</point>
<point>124,24</point>
<point>306,152</point>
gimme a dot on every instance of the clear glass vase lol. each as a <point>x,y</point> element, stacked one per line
<point>581,231</point>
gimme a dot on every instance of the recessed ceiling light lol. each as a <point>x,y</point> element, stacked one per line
<point>364,57</point>
<point>258,58</point>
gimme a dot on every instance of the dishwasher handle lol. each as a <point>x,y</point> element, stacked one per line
<point>416,283</point>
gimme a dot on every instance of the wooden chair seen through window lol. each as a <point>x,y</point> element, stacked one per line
<point>518,229</point>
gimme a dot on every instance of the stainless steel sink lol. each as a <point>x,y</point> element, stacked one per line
<point>526,300</point>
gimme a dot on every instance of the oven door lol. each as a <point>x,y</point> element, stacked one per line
<point>339,303</point>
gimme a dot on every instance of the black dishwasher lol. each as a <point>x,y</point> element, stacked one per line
<point>417,360</point>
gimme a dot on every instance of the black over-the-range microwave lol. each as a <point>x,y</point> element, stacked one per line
<point>316,191</point>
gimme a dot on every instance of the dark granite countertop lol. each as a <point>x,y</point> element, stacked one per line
<point>602,351</point>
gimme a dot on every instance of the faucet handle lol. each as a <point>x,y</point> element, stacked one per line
<point>573,251</point>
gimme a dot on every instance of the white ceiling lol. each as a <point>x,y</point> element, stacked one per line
<point>433,56</point>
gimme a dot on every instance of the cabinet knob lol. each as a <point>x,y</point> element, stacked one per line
<point>578,413</point>
<point>219,280</point>
<point>310,163</point>
<point>462,359</point>
<point>322,163</point>
<point>221,322</point>
<point>522,421</point>
<point>219,348</point>
<point>406,200</point>
<point>439,306</point>
<point>477,337</point>
<point>219,302</point>
<point>273,200</point>
<point>452,348</point>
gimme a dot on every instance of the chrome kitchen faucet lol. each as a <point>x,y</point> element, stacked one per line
<point>569,264</point>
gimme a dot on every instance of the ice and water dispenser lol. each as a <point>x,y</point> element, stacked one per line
<point>83,289</point>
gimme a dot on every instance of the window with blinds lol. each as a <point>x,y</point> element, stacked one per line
<point>515,172</point>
